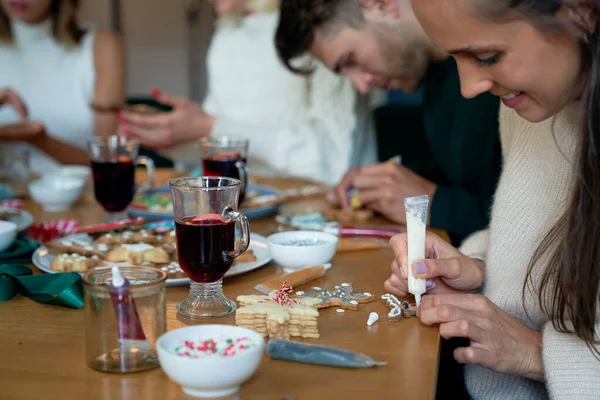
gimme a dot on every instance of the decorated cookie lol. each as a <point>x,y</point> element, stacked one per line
<point>73,263</point>
<point>343,296</point>
<point>398,309</point>
<point>279,316</point>
<point>136,254</point>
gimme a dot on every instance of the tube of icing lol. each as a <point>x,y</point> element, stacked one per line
<point>286,350</point>
<point>416,227</point>
<point>131,333</point>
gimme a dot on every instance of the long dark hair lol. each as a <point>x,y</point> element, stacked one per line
<point>569,286</point>
<point>65,28</point>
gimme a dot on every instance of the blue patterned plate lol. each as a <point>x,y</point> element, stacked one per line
<point>251,213</point>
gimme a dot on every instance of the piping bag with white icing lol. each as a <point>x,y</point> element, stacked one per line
<point>129,327</point>
<point>287,350</point>
<point>416,230</point>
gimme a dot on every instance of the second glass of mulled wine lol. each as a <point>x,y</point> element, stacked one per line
<point>113,162</point>
<point>226,156</point>
<point>206,221</point>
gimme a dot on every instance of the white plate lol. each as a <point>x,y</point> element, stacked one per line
<point>258,243</point>
<point>23,220</point>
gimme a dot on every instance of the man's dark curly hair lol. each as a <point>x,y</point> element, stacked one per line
<point>299,19</point>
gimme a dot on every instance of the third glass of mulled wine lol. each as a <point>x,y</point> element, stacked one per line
<point>206,220</point>
<point>226,156</point>
<point>113,161</point>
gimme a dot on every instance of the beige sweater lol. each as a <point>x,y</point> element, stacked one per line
<point>532,193</point>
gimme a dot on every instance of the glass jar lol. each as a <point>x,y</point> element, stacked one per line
<point>15,172</point>
<point>122,326</point>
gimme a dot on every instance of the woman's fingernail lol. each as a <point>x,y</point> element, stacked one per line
<point>429,283</point>
<point>420,268</point>
<point>402,274</point>
<point>430,286</point>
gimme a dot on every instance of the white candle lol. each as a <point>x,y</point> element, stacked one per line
<point>416,228</point>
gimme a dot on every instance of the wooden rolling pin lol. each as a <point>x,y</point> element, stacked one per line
<point>351,245</point>
<point>293,279</point>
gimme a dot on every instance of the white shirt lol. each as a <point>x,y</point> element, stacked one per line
<point>309,127</point>
<point>56,84</point>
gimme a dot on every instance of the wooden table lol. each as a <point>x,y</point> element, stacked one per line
<point>42,348</point>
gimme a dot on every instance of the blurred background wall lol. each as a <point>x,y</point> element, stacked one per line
<point>166,42</point>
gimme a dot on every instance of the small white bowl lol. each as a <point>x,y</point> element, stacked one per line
<point>56,193</point>
<point>8,234</point>
<point>215,375</point>
<point>298,249</point>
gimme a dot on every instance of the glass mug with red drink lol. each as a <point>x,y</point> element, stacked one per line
<point>113,162</point>
<point>206,219</point>
<point>225,156</point>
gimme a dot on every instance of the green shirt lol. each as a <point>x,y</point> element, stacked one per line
<point>465,154</point>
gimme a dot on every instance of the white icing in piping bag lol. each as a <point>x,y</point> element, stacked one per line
<point>416,229</point>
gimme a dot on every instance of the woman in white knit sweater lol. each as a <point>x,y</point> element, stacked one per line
<point>313,127</point>
<point>534,324</point>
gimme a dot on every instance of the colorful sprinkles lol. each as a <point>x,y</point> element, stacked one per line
<point>220,347</point>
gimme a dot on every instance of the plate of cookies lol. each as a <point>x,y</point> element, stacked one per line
<point>134,246</point>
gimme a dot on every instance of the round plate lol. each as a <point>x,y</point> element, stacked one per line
<point>23,220</point>
<point>258,244</point>
<point>250,213</point>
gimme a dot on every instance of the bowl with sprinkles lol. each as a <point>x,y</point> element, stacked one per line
<point>298,249</point>
<point>210,360</point>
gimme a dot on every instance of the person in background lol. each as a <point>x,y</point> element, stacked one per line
<point>69,80</point>
<point>309,127</point>
<point>379,43</point>
<point>533,330</point>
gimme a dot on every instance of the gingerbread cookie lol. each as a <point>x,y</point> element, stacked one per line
<point>279,316</point>
<point>398,309</point>
<point>80,247</point>
<point>137,254</point>
<point>73,263</point>
<point>343,296</point>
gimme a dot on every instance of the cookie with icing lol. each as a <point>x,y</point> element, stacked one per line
<point>342,296</point>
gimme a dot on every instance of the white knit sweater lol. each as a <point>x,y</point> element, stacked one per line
<point>309,127</point>
<point>532,194</point>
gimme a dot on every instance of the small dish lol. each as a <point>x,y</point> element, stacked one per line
<point>56,193</point>
<point>208,370</point>
<point>8,234</point>
<point>80,172</point>
<point>298,249</point>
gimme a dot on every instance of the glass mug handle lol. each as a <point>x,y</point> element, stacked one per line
<point>149,164</point>
<point>241,167</point>
<point>229,215</point>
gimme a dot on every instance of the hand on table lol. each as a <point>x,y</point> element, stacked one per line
<point>22,131</point>
<point>497,340</point>
<point>8,97</point>
<point>185,123</point>
<point>383,188</point>
<point>446,269</point>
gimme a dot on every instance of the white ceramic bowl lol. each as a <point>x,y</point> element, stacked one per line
<point>56,193</point>
<point>211,376</point>
<point>8,234</point>
<point>80,172</point>
<point>298,249</point>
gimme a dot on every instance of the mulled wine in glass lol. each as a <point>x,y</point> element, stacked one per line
<point>225,156</point>
<point>206,219</point>
<point>113,161</point>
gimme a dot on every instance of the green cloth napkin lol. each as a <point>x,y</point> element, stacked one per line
<point>62,289</point>
<point>20,251</point>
